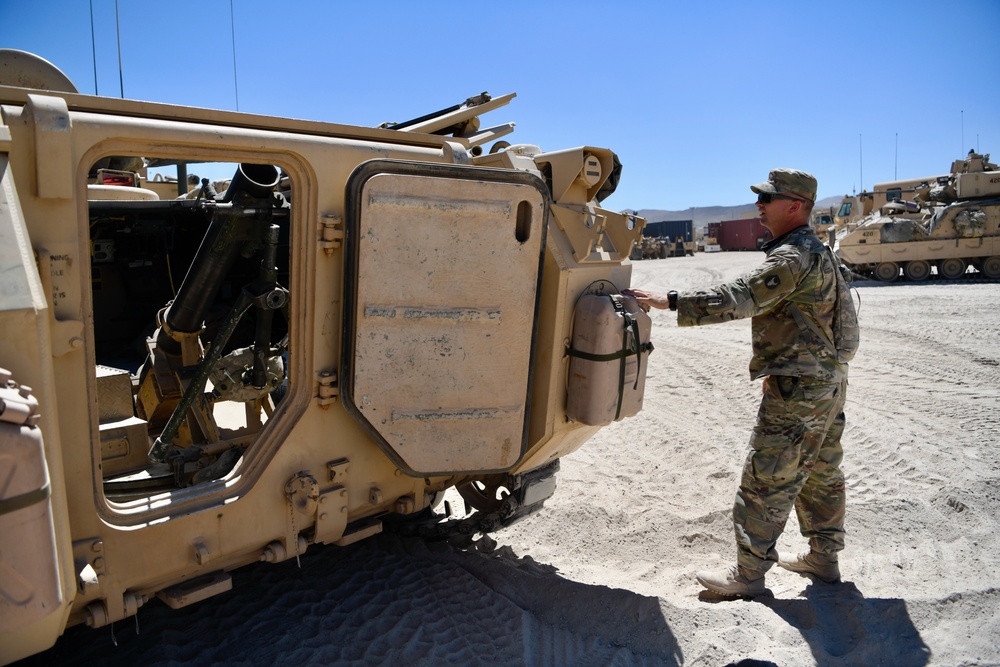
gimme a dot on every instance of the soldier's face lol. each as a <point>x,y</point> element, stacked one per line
<point>777,213</point>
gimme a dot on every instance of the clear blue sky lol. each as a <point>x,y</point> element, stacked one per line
<point>699,99</point>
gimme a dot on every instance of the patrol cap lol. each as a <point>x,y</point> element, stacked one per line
<point>790,182</point>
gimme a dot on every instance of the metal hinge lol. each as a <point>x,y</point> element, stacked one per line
<point>88,561</point>
<point>53,146</point>
<point>331,232</point>
<point>328,389</point>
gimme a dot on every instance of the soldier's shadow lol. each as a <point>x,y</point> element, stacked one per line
<point>842,626</point>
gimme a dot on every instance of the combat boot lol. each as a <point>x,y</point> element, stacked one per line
<point>822,566</point>
<point>733,581</point>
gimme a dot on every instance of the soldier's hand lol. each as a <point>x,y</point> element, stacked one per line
<point>647,300</point>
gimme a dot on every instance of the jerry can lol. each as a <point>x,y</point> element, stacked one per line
<point>608,359</point>
<point>29,576</point>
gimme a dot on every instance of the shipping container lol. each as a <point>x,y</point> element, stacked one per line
<point>671,229</point>
<point>745,234</point>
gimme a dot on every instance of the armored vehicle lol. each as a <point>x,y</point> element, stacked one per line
<point>828,220</point>
<point>852,208</point>
<point>677,237</point>
<point>649,248</point>
<point>822,220</point>
<point>668,238</point>
<point>949,223</point>
<point>360,319</point>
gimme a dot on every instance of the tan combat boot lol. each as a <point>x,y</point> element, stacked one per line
<point>822,566</point>
<point>733,581</point>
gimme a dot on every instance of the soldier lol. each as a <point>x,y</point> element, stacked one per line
<point>795,450</point>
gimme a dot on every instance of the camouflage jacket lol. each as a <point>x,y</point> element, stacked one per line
<point>797,271</point>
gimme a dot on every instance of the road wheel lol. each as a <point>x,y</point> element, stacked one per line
<point>917,270</point>
<point>951,268</point>
<point>991,267</point>
<point>484,495</point>
<point>887,271</point>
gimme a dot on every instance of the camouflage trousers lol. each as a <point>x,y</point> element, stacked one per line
<point>794,460</point>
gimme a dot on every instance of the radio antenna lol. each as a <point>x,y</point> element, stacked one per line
<point>118,32</point>
<point>93,45</point>
<point>232,27</point>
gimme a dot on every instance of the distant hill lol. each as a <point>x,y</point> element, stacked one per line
<point>702,215</point>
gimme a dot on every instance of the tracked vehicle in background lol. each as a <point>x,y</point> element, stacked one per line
<point>940,227</point>
<point>831,219</point>
<point>361,320</point>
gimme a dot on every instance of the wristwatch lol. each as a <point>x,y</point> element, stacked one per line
<point>672,299</point>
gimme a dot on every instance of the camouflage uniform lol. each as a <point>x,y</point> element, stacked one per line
<point>795,450</point>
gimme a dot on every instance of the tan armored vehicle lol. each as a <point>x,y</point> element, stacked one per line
<point>821,219</point>
<point>852,208</point>
<point>649,248</point>
<point>948,224</point>
<point>827,221</point>
<point>363,319</point>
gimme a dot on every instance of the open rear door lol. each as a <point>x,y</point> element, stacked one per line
<point>441,304</point>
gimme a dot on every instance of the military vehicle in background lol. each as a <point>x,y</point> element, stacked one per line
<point>649,248</point>
<point>828,220</point>
<point>679,246</point>
<point>935,226</point>
<point>821,220</point>
<point>363,319</point>
<point>667,238</point>
<point>852,208</point>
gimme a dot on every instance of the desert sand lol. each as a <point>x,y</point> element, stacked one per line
<point>604,574</point>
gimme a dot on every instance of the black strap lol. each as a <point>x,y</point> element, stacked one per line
<point>629,320</point>
<point>610,356</point>
<point>23,500</point>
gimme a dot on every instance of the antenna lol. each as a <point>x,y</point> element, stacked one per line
<point>232,27</point>
<point>861,160</point>
<point>895,165</point>
<point>118,32</point>
<point>962,152</point>
<point>93,45</point>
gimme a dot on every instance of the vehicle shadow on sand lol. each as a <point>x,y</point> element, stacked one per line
<point>390,600</point>
<point>395,600</point>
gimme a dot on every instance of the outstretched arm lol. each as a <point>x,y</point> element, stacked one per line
<point>647,300</point>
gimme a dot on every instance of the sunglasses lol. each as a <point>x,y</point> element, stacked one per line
<point>767,198</point>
